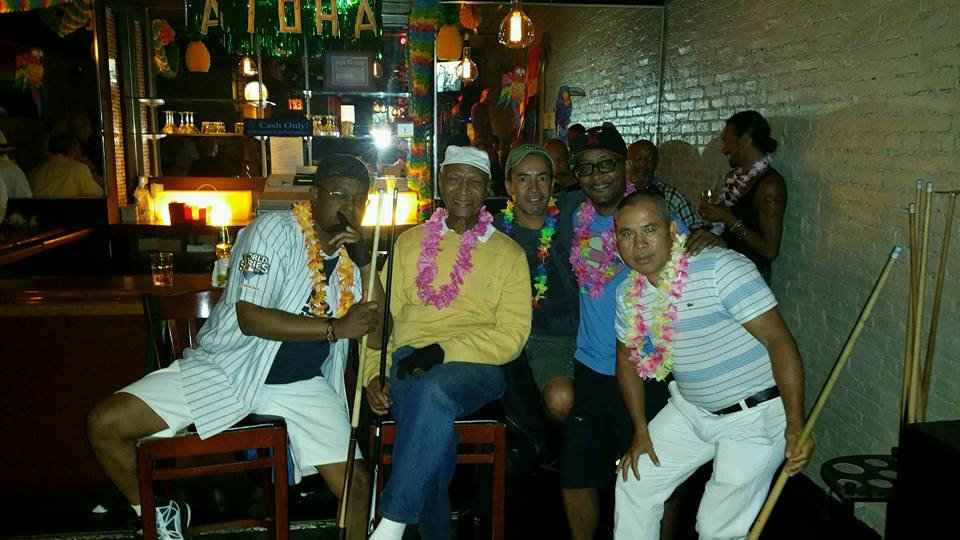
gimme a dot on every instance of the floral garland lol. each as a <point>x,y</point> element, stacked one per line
<point>430,249</point>
<point>315,257</point>
<point>543,248</point>
<point>593,279</point>
<point>736,182</point>
<point>652,347</point>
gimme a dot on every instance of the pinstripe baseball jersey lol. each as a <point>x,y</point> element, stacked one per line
<point>716,361</point>
<point>223,374</point>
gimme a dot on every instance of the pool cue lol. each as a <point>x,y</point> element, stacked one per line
<point>825,393</point>
<point>908,333</point>
<point>921,297</point>
<point>358,390</point>
<point>935,315</point>
<point>377,449</point>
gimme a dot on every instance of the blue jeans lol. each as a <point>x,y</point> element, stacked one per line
<point>425,449</point>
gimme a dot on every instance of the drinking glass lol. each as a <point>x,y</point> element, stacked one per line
<point>161,268</point>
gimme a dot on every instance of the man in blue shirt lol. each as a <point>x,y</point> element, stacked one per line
<point>598,429</point>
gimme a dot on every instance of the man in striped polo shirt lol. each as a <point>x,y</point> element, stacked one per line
<point>276,344</point>
<point>737,393</point>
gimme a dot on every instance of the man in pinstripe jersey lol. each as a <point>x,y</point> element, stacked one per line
<point>262,350</point>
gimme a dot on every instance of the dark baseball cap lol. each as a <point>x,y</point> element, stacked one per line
<point>602,137</point>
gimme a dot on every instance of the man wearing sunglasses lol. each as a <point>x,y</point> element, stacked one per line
<point>276,343</point>
<point>598,429</point>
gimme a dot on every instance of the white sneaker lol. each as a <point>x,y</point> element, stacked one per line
<point>172,520</point>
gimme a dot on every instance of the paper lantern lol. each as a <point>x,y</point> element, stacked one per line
<point>468,17</point>
<point>449,42</point>
<point>197,57</point>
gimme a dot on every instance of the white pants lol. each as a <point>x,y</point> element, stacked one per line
<point>318,426</point>
<point>746,446</point>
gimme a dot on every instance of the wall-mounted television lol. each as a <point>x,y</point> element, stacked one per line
<point>447,80</point>
<point>348,71</point>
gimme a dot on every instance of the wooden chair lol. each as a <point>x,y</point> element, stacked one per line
<point>481,442</point>
<point>179,318</point>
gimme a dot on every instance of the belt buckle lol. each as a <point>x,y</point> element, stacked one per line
<point>743,404</point>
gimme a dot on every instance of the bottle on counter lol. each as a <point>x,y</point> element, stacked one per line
<point>144,202</point>
<point>221,267</point>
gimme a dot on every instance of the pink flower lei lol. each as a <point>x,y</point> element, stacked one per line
<point>651,347</point>
<point>736,182</point>
<point>593,279</point>
<point>430,248</point>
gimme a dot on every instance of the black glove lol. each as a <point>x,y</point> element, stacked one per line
<point>420,361</point>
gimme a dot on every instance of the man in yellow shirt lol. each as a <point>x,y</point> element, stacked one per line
<point>461,308</point>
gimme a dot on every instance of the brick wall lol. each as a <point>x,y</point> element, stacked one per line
<point>116,108</point>
<point>864,97</point>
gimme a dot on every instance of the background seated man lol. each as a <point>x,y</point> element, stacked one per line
<point>460,303</point>
<point>62,175</point>
<point>275,344</point>
<point>737,395</point>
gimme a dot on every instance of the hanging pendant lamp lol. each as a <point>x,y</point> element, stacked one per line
<point>467,69</point>
<point>516,29</point>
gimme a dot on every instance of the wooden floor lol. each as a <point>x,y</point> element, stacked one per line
<point>534,511</point>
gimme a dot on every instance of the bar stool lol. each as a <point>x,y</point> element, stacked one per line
<point>480,442</point>
<point>179,318</point>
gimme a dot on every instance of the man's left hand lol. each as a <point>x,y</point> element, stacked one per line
<point>354,242</point>
<point>797,458</point>
<point>702,239</point>
<point>715,213</point>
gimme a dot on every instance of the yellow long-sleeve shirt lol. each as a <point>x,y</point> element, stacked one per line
<point>489,321</point>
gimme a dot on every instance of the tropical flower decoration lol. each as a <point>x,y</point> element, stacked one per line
<point>651,345</point>
<point>315,257</point>
<point>29,73</point>
<point>543,246</point>
<point>430,249</point>
<point>166,54</point>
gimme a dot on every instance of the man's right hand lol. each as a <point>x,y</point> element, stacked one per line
<point>360,320</point>
<point>378,397</point>
<point>640,445</point>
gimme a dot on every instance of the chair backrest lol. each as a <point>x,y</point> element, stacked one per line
<point>173,321</point>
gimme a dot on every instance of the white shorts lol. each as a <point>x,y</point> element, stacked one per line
<point>318,425</point>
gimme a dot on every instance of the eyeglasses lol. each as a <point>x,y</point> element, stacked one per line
<point>344,196</point>
<point>583,169</point>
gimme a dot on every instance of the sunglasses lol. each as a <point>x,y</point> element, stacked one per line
<point>586,168</point>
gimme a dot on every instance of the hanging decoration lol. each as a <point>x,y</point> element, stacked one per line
<point>469,18</point>
<point>197,57</point>
<point>424,16</point>
<point>449,42</point>
<point>166,52</point>
<point>278,26</point>
<point>13,6</point>
<point>67,18</point>
<point>513,93</point>
<point>29,75</point>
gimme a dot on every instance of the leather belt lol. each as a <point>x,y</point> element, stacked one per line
<point>752,401</point>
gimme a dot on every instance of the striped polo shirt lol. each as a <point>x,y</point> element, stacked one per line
<point>716,361</point>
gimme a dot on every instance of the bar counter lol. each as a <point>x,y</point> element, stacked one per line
<point>84,296</point>
<point>67,343</point>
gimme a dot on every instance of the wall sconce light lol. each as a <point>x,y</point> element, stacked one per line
<point>516,29</point>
